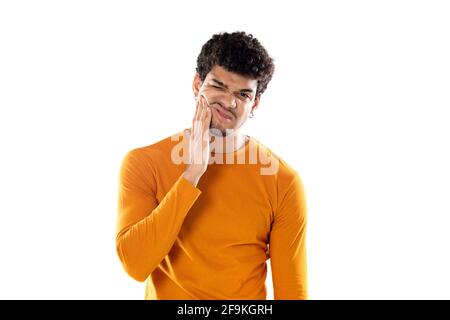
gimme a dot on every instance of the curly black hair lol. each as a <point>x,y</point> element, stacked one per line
<point>237,52</point>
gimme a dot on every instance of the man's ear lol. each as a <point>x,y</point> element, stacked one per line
<point>255,104</point>
<point>196,84</point>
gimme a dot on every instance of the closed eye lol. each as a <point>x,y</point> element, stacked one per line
<point>242,93</point>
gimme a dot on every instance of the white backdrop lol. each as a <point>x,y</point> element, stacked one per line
<point>358,105</point>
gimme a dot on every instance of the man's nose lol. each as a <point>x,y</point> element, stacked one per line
<point>229,101</point>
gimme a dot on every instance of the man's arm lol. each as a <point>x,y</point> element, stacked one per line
<point>146,230</point>
<point>287,246</point>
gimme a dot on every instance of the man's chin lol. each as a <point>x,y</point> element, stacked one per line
<point>219,130</point>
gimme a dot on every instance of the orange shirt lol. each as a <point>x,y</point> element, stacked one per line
<point>212,241</point>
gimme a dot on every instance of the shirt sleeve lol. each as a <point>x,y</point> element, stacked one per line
<point>146,229</point>
<point>287,245</point>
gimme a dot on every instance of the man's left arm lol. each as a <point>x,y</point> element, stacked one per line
<point>287,245</point>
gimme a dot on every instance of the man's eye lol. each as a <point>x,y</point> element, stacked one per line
<point>245,95</point>
<point>216,87</point>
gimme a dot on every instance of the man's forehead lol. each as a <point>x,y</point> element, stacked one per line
<point>231,79</point>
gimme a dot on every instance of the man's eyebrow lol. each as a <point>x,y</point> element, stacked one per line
<point>220,83</point>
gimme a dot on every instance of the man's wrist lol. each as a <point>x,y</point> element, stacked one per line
<point>191,176</point>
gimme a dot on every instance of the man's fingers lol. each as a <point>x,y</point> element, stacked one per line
<point>206,115</point>
<point>202,104</point>
<point>207,120</point>
<point>196,118</point>
<point>202,118</point>
<point>197,109</point>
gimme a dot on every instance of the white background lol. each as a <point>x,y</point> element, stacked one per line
<point>358,105</point>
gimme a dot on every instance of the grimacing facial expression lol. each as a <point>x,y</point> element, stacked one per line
<point>231,96</point>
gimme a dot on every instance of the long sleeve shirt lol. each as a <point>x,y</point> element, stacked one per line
<point>212,241</point>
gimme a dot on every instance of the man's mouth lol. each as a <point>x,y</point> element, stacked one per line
<point>223,114</point>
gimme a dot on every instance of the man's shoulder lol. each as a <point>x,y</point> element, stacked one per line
<point>161,149</point>
<point>267,156</point>
<point>287,177</point>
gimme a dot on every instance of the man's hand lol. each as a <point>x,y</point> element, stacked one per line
<point>199,151</point>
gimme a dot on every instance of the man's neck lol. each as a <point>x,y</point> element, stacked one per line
<point>228,143</point>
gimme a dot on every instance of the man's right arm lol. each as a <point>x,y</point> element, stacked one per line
<point>146,230</point>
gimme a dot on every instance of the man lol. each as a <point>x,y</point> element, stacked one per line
<point>201,225</point>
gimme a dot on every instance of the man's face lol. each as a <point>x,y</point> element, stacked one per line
<point>230,95</point>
